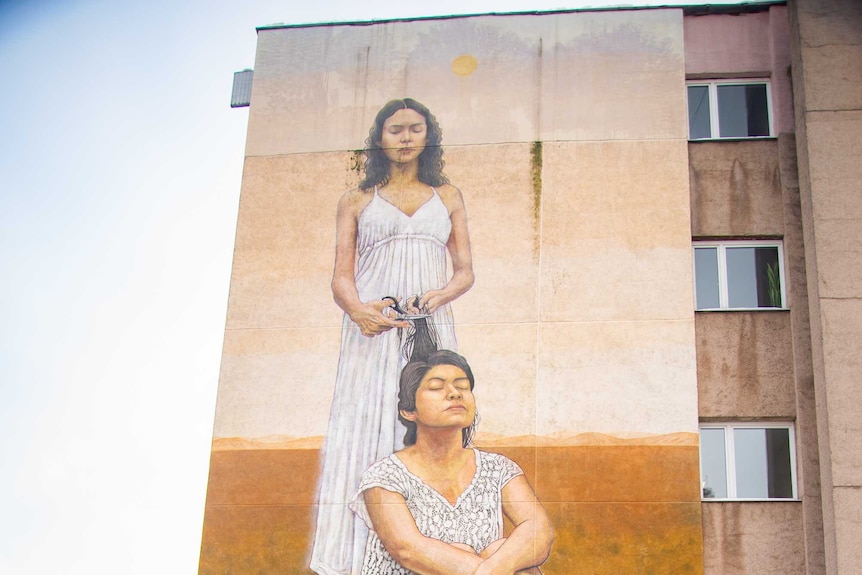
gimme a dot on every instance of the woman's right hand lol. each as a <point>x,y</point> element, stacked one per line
<point>371,319</point>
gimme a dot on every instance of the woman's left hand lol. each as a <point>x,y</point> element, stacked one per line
<point>432,300</point>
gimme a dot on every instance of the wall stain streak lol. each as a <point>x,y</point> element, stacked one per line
<point>750,393</point>
<point>539,87</point>
<point>695,198</point>
<point>357,161</point>
<point>536,173</point>
<point>740,207</point>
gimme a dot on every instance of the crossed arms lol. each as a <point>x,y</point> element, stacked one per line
<point>521,553</point>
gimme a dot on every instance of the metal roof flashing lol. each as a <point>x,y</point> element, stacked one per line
<point>688,9</point>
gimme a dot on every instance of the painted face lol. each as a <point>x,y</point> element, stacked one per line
<point>444,399</point>
<point>403,136</point>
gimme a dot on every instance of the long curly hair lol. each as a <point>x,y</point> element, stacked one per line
<point>411,379</point>
<point>430,160</point>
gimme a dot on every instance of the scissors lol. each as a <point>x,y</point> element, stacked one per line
<point>402,314</point>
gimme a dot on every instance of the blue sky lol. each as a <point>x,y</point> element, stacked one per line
<point>120,166</point>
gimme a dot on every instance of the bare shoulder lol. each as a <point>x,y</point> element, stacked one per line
<point>354,201</point>
<point>451,196</point>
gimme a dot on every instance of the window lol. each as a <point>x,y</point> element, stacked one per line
<point>747,461</point>
<point>738,275</point>
<point>729,109</point>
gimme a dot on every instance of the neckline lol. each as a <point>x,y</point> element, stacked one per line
<point>467,489</point>
<point>402,212</point>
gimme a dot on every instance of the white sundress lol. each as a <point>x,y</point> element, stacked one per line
<point>399,256</point>
<point>475,519</point>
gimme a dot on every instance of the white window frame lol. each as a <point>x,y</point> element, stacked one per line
<point>712,86</point>
<point>730,457</point>
<point>723,297</point>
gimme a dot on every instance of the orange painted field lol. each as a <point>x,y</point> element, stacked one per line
<point>617,509</point>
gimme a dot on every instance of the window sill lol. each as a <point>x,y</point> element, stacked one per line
<point>774,500</point>
<point>742,309</point>
<point>700,140</point>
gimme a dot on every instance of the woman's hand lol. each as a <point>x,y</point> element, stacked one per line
<point>432,300</point>
<point>371,319</point>
<point>489,567</point>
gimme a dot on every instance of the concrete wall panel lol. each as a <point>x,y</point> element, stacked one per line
<point>502,209</point>
<point>833,54</point>
<point>619,378</point>
<point>615,213</point>
<point>753,539</point>
<point>285,241</point>
<point>726,44</point>
<point>735,189</point>
<point>745,365</point>
<point>504,362</point>
<point>276,384</point>
<point>842,364</point>
<point>848,519</point>
<point>832,140</point>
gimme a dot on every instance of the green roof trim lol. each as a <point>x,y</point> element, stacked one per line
<point>688,9</point>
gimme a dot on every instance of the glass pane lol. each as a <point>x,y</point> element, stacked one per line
<point>753,278</point>
<point>698,113</point>
<point>742,111</point>
<point>758,110</point>
<point>706,278</point>
<point>749,446</point>
<point>713,464</point>
<point>741,278</point>
<point>778,463</point>
<point>768,277</point>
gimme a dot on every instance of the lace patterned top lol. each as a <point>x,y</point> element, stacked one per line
<point>476,518</point>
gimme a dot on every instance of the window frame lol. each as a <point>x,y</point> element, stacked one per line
<point>721,254</point>
<point>730,458</point>
<point>712,91</point>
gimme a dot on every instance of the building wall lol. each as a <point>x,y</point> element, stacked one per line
<point>743,538</point>
<point>756,365</point>
<point>567,135</point>
<point>744,45</point>
<point>827,78</point>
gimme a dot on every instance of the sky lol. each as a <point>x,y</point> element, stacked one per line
<point>120,168</point>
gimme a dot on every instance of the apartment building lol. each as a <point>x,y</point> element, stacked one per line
<point>663,209</point>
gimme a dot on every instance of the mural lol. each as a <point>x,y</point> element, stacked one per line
<point>564,138</point>
<point>400,222</point>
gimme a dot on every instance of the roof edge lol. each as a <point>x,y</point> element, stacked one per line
<point>688,10</point>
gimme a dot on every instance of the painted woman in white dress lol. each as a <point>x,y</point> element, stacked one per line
<point>436,507</point>
<point>393,235</point>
